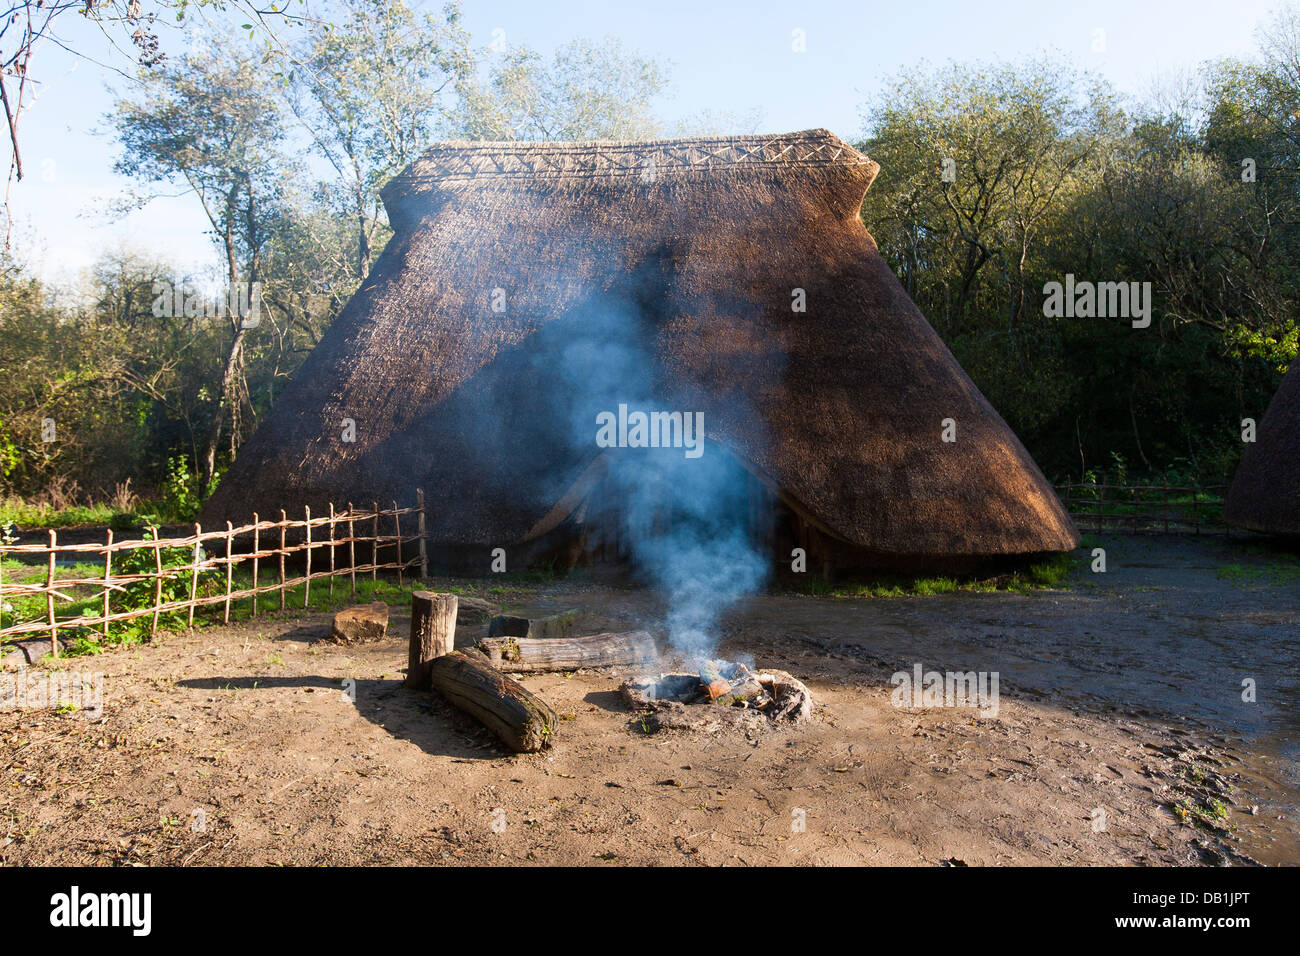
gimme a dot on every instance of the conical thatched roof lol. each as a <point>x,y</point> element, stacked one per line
<point>1265,493</point>
<point>660,272</point>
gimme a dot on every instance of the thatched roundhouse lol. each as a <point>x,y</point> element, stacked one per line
<point>1265,492</point>
<point>530,287</point>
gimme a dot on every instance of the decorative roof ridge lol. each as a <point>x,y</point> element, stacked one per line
<point>461,161</point>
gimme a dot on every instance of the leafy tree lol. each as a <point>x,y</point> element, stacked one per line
<point>212,124</point>
<point>370,92</point>
<point>588,90</point>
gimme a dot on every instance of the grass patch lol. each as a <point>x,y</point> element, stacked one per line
<point>15,511</point>
<point>1051,572</point>
<point>1209,814</point>
<point>1273,573</point>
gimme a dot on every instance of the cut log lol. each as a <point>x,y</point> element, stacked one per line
<point>433,633</point>
<point>551,626</point>
<point>362,624</point>
<point>521,720</point>
<point>529,655</point>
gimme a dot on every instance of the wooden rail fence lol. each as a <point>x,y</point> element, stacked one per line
<point>345,532</point>
<point>1146,509</point>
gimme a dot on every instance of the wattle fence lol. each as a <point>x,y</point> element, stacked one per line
<point>366,541</point>
<point>335,541</point>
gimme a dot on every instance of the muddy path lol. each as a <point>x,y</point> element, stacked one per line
<point>1120,738</point>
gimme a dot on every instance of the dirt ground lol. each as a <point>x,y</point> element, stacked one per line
<point>244,745</point>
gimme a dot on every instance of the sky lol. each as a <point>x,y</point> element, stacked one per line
<point>737,57</point>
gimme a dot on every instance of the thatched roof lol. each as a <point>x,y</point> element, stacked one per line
<point>1265,493</point>
<point>683,254</point>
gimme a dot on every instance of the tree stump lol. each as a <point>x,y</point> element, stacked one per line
<point>519,719</point>
<point>433,633</point>
<point>361,624</point>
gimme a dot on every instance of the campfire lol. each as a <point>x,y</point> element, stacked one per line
<point>716,693</point>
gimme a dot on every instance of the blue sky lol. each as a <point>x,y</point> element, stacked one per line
<point>724,56</point>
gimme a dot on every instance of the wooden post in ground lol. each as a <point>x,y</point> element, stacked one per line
<point>397,530</point>
<point>49,594</point>
<point>283,520</point>
<point>331,549</point>
<point>108,574</point>
<point>194,570</point>
<point>424,552</point>
<point>257,546</point>
<point>374,544</point>
<point>157,581</point>
<point>306,584</point>
<point>352,547</point>
<point>230,570</point>
<point>433,633</point>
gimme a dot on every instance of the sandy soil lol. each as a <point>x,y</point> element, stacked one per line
<point>241,745</point>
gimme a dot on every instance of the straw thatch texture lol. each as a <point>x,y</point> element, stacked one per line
<point>662,272</point>
<point>1265,493</point>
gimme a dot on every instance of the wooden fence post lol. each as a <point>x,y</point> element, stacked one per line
<point>397,530</point>
<point>257,547</point>
<point>194,571</point>
<point>424,553</point>
<point>157,583</point>
<point>108,574</point>
<point>352,547</point>
<point>331,549</point>
<point>306,584</point>
<point>230,569</point>
<point>374,543</point>
<point>49,594</point>
<point>433,633</point>
<point>283,519</point>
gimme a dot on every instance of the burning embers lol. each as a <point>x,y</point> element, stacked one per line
<point>733,696</point>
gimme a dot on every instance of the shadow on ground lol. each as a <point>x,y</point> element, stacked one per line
<point>419,717</point>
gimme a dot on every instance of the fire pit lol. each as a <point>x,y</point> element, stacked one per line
<point>718,695</point>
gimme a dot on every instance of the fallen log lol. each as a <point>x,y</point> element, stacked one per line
<point>519,719</point>
<point>433,633</point>
<point>530,655</point>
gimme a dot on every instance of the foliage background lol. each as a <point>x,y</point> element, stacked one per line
<point>1055,173</point>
